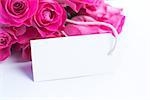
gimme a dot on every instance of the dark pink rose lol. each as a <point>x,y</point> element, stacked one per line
<point>6,41</point>
<point>17,12</point>
<point>75,5</point>
<point>50,17</point>
<point>70,3</point>
<point>30,33</point>
<point>23,42</point>
<point>17,31</point>
<point>26,52</point>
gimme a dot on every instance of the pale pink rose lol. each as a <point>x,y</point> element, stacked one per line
<point>6,41</point>
<point>73,29</point>
<point>96,10</point>
<point>17,12</point>
<point>90,2</point>
<point>108,14</point>
<point>114,17</point>
<point>49,18</point>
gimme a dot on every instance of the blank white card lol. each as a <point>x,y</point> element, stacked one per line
<point>69,57</point>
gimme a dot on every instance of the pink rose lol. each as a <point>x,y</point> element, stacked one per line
<point>108,14</point>
<point>50,17</point>
<point>6,41</point>
<point>17,12</point>
<point>26,52</point>
<point>23,42</point>
<point>30,33</point>
<point>76,5</point>
<point>90,2</point>
<point>96,10</point>
<point>73,29</point>
<point>17,31</point>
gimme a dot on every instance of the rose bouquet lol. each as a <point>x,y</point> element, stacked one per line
<point>25,20</point>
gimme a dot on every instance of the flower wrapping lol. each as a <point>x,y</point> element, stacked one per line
<point>25,20</point>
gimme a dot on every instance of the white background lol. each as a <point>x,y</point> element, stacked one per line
<point>131,79</point>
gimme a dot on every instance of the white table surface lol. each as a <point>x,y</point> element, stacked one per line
<point>131,79</point>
